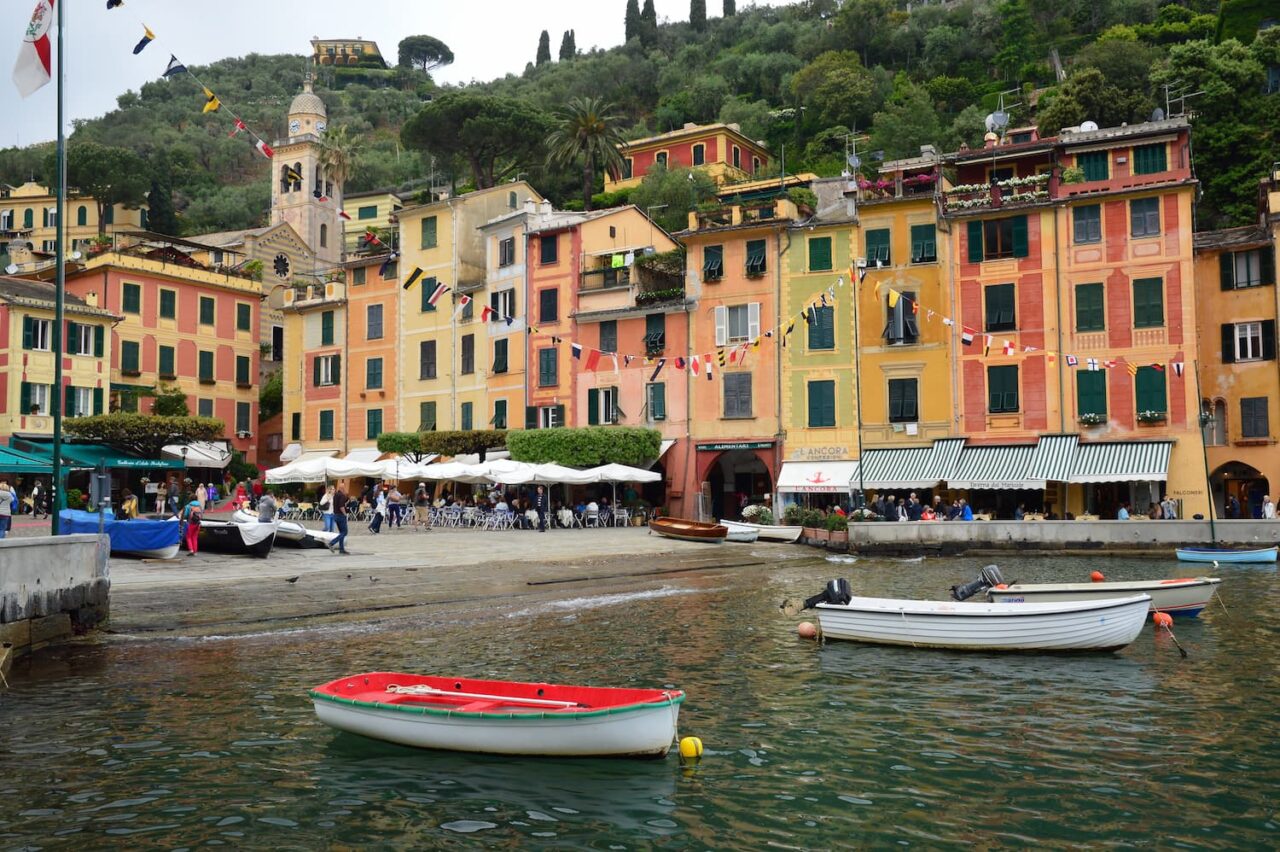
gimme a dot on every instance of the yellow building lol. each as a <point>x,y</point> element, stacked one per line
<point>346,51</point>
<point>1236,290</point>
<point>29,222</point>
<point>27,357</point>
<point>376,210</point>
<point>444,345</point>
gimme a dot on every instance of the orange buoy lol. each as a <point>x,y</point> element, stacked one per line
<point>807,630</point>
<point>1162,619</point>
<point>1097,577</point>
<point>1000,586</point>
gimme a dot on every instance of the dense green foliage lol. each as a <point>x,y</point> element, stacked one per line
<point>110,175</point>
<point>271,396</point>
<point>803,75</point>
<point>170,401</point>
<point>544,49</point>
<point>585,447</point>
<point>415,445</point>
<point>144,434</point>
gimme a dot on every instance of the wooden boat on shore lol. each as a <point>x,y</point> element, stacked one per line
<point>289,533</point>
<point>740,532</point>
<point>501,717</point>
<point>255,539</point>
<point>1186,596</point>
<point>1223,555</point>
<point>768,532</point>
<point>1099,625</point>
<point>685,530</point>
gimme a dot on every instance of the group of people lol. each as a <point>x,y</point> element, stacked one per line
<point>1266,510</point>
<point>1165,510</point>
<point>911,508</point>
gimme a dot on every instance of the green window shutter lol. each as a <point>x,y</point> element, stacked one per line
<point>244,317</point>
<point>1091,392</point>
<point>1002,389</point>
<point>326,328</point>
<point>593,407</point>
<point>166,361</point>
<point>1268,340</point>
<point>168,304</point>
<point>924,244</point>
<point>24,399</point>
<point>426,416</point>
<point>499,414</point>
<point>428,232</point>
<point>337,369</point>
<point>99,339</point>
<point>531,417</point>
<point>1151,390</point>
<point>27,333</point>
<point>315,372</point>
<point>326,425</point>
<point>878,247</point>
<point>464,415</point>
<point>1000,309</point>
<point>1148,303</point>
<point>813,403</point>
<point>73,338</point>
<point>242,369</point>
<point>822,329</point>
<point>1020,236</point>
<point>822,403</point>
<point>658,401</point>
<point>206,366</point>
<point>97,401</point>
<point>427,287</point>
<point>559,410</point>
<point>69,402</point>
<point>819,254</point>
<point>129,355</point>
<point>1095,165</point>
<point>975,242</point>
<point>1148,159</point>
<point>1227,270</point>
<point>1090,312</point>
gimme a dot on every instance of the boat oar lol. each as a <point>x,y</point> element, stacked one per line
<point>1165,620</point>
<point>478,696</point>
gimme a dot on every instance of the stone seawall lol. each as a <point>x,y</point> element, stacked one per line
<point>51,589</point>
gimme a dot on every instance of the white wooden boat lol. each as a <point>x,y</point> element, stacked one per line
<point>769,532</point>
<point>289,533</point>
<point>1101,625</point>
<point>1184,597</point>
<point>1223,555</point>
<point>740,532</point>
<point>501,717</point>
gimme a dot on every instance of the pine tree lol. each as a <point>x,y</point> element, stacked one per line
<point>730,8</point>
<point>632,20</point>
<point>544,48</point>
<point>568,49</point>
<point>698,15</point>
<point>648,24</point>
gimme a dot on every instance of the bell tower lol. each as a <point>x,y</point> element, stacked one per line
<point>302,192</point>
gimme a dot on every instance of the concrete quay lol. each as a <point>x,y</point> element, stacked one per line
<point>443,573</point>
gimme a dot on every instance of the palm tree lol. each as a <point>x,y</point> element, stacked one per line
<point>588,131</point>
<point>338,154</point>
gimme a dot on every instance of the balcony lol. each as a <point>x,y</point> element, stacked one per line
<point>605,277</point>
<point>778,209</point>
<point>1011,193</point>
<point>895,187</point>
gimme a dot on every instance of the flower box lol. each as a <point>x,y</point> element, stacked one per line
<point>1092,419</point>
<point>1152,416</point>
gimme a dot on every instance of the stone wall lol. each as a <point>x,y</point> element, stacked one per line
<point>52,588</point>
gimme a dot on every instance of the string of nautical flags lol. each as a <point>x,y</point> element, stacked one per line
<point>212,102</point>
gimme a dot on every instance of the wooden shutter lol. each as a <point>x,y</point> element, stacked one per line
<point>1269,340</point>
<point>593,407</point>
<point>1020,236</point>
<point>27,333</point>
<point>69,401</point>
<point>560,415</point>
<point>24,399</point>
<point>1228,343</point>
<point>1267,264</point>
<point>658,401</point>
<point>337,369</point>
<point>753,320</point>
<point>73,338</point>
<point>99,338</point>
<point>1227,270</point>
<point>315,372</point>
<point>97,400</point>
<point>722,325</point>
<point>975,242</point>
<point>819,253</point>
<point>531,417</point>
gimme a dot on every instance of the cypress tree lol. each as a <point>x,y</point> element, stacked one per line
<point>698,15</point>
<point>730,8</point>
<point>161,217</point>
<point>568,49</point>
<point>649,24</point>
<point>632,20</point>
<point>544,48</point>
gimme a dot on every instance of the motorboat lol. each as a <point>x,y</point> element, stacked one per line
<point>685,530</point>
<point>289,533</point>
<point>1185,596</point>
<point>501,717</point>
<point>139,538</point>
<point>1224,554</point>
<point>769,532</point>
<point>1108,624</point>
<point>254,539</point>
<point>740,532</point>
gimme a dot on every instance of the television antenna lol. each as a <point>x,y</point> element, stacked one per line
<point>997,122</point>
<point>851,157</point>
<point>1173,94</point>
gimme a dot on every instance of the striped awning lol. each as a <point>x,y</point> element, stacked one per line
<point>901,468</point>
<point>1122,461</point>
<point>1053,458</point>
<point>1000,467</point>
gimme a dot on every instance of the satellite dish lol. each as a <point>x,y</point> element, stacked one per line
<point>1086,126</point>
<point>854,161</point>
<point>12,269</point>
<point>75,255</point>
<point>1157,114</point>
<point>997,121</point>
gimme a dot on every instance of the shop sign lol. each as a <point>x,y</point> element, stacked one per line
<point>734,445</point>
<point>820,454</point>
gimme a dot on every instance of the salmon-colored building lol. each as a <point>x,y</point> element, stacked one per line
<point>373,357</point>
<point>719,149</point>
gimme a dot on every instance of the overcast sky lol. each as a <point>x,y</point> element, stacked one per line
<point>489,38</point>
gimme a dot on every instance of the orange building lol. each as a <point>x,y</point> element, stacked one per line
<point>719,149</point>
<point>373,362</point>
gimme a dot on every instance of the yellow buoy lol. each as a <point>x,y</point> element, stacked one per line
<point>690,748</point>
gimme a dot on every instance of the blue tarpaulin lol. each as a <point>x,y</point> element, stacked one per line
<point>126,536</point>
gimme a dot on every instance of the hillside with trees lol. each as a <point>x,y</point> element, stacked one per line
<point>800,77</point>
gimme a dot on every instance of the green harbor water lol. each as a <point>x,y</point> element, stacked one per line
<point>185,743</point>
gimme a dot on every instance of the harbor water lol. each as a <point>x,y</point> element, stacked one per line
<point>183,743</point>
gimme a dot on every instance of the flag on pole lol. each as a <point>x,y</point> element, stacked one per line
<point>576,350</point>
<point>147,38</point>
<point>174,67</point>
<point>35,56</point>
<point>265,150</point>
<point>438,294</point>
<point>386,264</point>
<point>662,362</point>
<point>413,277</point>
<point>239,126</point>
<point>212,104</point>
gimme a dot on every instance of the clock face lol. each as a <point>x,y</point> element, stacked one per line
<point>295,126</point>
<point>281,266</point>
<point>321,126</point>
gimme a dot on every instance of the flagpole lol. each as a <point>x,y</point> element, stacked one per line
<point>59,287</point>
<point>1204,454</point>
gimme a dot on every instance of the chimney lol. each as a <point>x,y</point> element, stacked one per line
<point>530,206</point>
<point>91,298</point>
<point>544,207</point>
<point>989,141</point>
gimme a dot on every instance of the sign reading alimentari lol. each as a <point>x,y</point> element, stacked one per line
<point>734,445</point>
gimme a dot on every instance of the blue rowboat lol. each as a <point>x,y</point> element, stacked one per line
<point>1222,555</point>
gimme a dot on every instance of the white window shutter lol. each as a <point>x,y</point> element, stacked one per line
<point>722,325</point>
<point>753,320</point>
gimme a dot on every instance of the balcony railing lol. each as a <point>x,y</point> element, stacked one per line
<point>606,278</point>
<point>1033,189</point>
<point>895,187</point>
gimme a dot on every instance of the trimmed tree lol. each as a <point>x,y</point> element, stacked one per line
<point>632,20</point>
<point>587,446</point>
<point>698,15</point>
<point>648,24</point>
<point>143,434</point>
<point>417,445</point>
<point>108,175</point>
<point>544,48</point>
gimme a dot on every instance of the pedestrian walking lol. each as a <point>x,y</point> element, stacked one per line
<point>192,516</point>
<point>1268,508</point>
<point>1233,508</point>
<point>422,505</point>
<point>266,508</point>
<point>379,512</point>
<point>541,505</point>
<point>326,508</point>
<point>39,501</point>
<point>339,520</point>
<point>202,495</point>
<point>7,495</point>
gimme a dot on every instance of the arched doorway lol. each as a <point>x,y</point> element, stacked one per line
<point>734,474</point>
<point>1244,482</point>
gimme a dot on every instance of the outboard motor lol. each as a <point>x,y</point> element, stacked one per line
<point>987,578</point>
<point>837,592</point>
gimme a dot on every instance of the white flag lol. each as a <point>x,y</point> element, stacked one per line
<point>35,57</point>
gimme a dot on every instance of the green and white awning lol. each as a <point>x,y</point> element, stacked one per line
<point>1122,461</point>
<point>999,467</point>
<point>899,468</point>
<point>1053,459</point>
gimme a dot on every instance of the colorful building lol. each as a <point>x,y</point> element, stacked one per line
<point>443,244</point>
<point>1076,314</point>
<point>373,357</point>
<point>183,325</point>
<point>29,223</point>
<point>346,51</point>
<point>721,150</point>
<point>27,358</point>
<point>316,399</point>
<point>1238,305</point>
<point>376,210</point>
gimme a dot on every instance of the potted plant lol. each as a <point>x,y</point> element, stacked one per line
<point>1151,416</point>
<point>758,514</point>
<point>838,530</point>
<point>815,526</point>
<point>1092,418</point>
